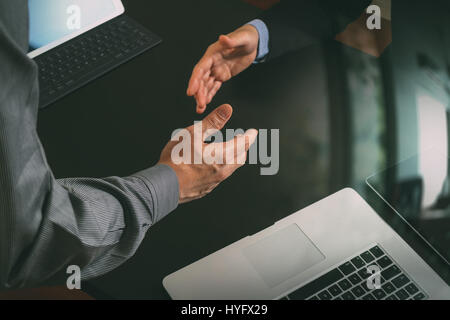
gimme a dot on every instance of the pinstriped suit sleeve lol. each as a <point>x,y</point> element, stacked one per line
<point>48,224</point>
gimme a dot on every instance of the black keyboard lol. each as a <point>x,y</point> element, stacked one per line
<point>90,55</point>
<point>349,281</point>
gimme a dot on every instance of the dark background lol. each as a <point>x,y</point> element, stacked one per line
<point>118,125</point>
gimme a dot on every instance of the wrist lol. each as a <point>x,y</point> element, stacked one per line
<point>263,39</point>
<point>180,177</point>
<point>253,33</point>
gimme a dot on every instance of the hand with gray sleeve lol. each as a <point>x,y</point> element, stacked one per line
<point>48,224</point>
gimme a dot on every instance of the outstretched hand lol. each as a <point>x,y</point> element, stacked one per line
<point>198,179</point>
<point>230,55</point>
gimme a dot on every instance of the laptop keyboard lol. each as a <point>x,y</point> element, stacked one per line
<point>90,55</point>
<point>350,281</point>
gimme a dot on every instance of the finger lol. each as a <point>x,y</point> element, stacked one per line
<point>221,73</point>
<point>217,118</point>
<point>250,138</point>
<point>209,84</point>
<point>201,99</point>
<point>236,149</point>
<point>206,75</point>
<point>208,87</point>
<point>199,93</point>
<point>193,86</point>
<point>231,149</point>
<point>202,67</point>
<point>199,109</point>
<point>201,96</point>
<point>213,91</point>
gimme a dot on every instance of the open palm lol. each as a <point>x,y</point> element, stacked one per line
<point>224,59</point>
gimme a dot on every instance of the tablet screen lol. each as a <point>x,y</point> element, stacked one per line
<point>56,21</point>
<point>418,189</point>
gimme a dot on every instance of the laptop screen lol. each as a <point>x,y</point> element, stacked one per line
<point>53,22</point>
<point>418,189</point>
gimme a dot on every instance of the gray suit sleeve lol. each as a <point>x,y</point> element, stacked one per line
<point>48,224</point>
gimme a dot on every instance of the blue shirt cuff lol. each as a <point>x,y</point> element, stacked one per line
<point>263,45</point>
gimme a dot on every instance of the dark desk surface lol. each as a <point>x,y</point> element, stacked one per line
<point>120,123</point>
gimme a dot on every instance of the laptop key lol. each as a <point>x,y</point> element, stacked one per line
<point>347,268</point>
<point>358,262</point>
<point>402,294</point>
<point>344,284</point>
<point>412,288</point>
<point>367,257</point>
<point>391,272</point>
<point>364,274</point>
<point>325,295</point>
<point>388,288</point>
<point>419,296</point>
<point>379,294</point>
<point>358,291</point>
<point>355,279</point>
<point>384,262</point>
<point>400,281</point>
<point>368,297</point>
<point>376,251</point>
<point>348,296</point>
<point>335,290</point>
<point>317,285</point>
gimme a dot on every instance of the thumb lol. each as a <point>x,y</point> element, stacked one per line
<point>227,42</point>
<point>217,119</point>
<point>233,40</point>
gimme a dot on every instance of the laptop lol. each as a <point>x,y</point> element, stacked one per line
<point>76,41</point>
<point>336,249</point>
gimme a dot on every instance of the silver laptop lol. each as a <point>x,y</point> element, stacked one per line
<point>338,248</point>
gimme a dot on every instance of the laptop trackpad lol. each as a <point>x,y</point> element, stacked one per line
<point>283,255</point>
